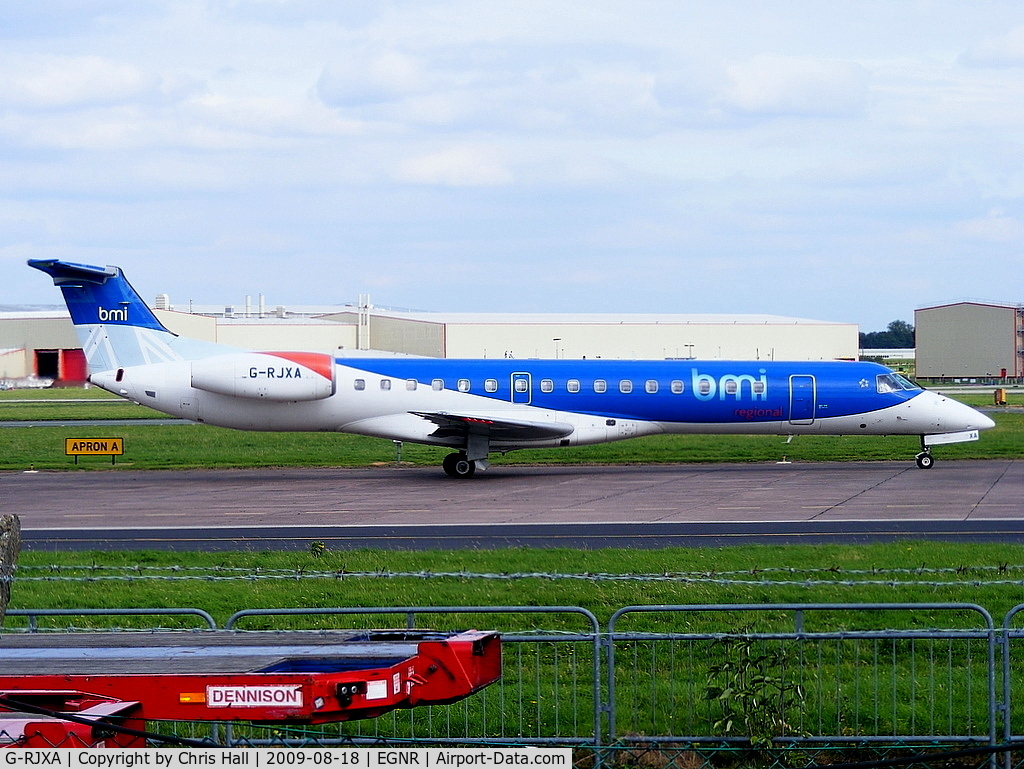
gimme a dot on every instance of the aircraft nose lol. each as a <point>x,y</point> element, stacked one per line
<point>946,415</point>
<point>984,421</point>
<point>960,416</point>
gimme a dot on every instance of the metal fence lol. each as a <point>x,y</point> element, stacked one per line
<point>804,671</point>
<point>549,692</point>
<point>686,680</point>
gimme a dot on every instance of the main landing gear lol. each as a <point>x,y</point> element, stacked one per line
<point>457,465</point>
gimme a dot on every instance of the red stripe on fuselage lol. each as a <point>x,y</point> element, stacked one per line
<point>315,361</point>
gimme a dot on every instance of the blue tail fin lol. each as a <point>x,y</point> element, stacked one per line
<point>98,295</point>
<point>116,328</point>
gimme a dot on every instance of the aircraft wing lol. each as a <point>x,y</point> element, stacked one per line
<point>458,425</point>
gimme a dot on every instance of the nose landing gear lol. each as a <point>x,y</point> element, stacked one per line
<point>924,458</point>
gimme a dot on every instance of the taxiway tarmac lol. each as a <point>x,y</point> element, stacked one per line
<point>418,507</point>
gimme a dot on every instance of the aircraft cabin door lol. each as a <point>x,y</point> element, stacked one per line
<point>802,399</point>
<point>521,390</point>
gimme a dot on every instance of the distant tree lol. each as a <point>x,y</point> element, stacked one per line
<point>899,334</point>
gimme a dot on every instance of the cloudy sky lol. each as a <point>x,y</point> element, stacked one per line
<point>846,161</point>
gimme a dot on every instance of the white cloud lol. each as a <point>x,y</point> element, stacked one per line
<point>60,82</point>
<point>370,77</point>
<point>458,166</point>
<point>995,227</point>
<point>276,117</point>
<point>1005,50</point>
<point>769,84</point>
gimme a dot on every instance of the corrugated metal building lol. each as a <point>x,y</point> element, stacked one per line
<point>494,335</point>
<point>970,340</point>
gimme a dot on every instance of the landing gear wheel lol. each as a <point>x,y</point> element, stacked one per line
<point>925,460</point>
<point>457,466</point>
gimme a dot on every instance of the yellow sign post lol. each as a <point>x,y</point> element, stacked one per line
<point>77,447</point>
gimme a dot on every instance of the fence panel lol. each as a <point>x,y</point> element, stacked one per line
<point>1013,681</point>
<point>549,692</point>
<point>829,674</point>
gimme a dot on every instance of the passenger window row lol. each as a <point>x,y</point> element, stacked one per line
<point>651,386</point>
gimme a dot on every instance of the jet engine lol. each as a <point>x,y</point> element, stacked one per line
<point>273,376</point>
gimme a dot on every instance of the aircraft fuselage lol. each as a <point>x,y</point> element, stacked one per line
<point>482,406</point>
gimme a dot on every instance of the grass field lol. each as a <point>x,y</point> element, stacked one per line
<point>602,581</point>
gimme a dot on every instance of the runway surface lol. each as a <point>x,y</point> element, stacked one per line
<point>589,507</point>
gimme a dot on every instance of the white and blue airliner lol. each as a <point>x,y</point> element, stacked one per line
<point>480,407</point>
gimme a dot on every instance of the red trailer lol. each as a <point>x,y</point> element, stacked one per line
<point>100,689</point>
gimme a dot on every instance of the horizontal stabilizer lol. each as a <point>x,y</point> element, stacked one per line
<point>64,273</point>
<point>456,425</point>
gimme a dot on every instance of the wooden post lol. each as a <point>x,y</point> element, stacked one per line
<point>10,546</point>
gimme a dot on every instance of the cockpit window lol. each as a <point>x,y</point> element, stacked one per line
<point>907,384</point>
<point>886,383</point>
<point>893,382</point>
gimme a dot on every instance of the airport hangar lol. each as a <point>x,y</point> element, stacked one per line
<point>970,341</point>
<point>42,343</point>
